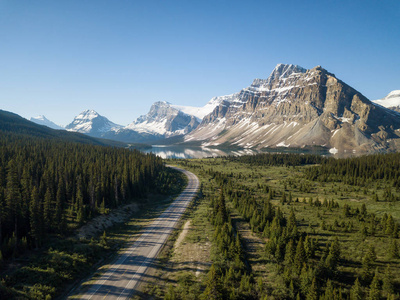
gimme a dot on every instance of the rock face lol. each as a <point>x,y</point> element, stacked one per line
<point>91,123</point>
<point>42,120</point>
<point>296,107</point>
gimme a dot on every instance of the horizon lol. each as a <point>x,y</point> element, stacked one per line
<point>61,58</point>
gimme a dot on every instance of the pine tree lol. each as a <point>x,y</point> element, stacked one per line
<point>356,291</point>
<point>13,198</point>
<point>59,208</point>
<point>367,264</point>
<point>289,253</point>
<point>387,286</point>
<point>374,293</point>
<point>300,256</point>
<point>47,210</point>
<point>213,285</point>
<point>36,221</point>
<point>393,250</point>
<point>329,294</point>
<point>312,291</point>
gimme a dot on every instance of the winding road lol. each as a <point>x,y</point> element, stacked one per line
<point>122,278</point>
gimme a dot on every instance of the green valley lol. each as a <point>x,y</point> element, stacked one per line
<point>286,226</point>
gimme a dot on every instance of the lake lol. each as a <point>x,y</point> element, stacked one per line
<point>201,152</point>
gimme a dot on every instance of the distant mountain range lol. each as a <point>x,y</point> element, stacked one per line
<point>293,107</point>
<point>164,120</point>
<point>11,123</point>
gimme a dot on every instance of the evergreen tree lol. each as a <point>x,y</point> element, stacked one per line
<point>387,286</point>
<point>393,250</point>
<point>13,198</point>
<point>36,221</point>
<point>300,256</point>
<point>213,285</point>
<point>356,291</point>
<point>374,293</point>
<point>312,291</point>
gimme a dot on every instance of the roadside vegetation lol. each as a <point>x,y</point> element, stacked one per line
<point>328,229</point>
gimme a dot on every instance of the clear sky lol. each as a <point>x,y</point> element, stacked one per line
<point>117,57</point>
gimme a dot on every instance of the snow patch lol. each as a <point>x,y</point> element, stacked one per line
<point>333,150</point>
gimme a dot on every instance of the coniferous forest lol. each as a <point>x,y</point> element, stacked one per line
<point>51,187</point>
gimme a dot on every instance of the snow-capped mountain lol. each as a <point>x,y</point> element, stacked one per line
<point>163,119</point>
<point>295,107</point>
<point>42,120</point>
<point>392,100</point>
<point>91,123</point>
<point>200,112</point>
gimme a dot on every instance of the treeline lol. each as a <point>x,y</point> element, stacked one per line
<point>358,170</point>
<point>50,187</point>
<point>275,159</point>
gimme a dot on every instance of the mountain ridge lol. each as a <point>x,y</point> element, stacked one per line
<point>42,120</point>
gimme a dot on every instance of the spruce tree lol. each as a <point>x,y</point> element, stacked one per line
<point>387,285</point>
<point>356,291</point>
<point>36,221</point>
<point>213,285</point>
<point>374,293</point>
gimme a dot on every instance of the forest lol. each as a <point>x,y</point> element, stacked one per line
<point>51,187</point>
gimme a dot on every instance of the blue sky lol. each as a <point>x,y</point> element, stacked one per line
<point>58,58</point>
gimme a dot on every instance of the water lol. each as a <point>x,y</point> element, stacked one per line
<point>201,152</point>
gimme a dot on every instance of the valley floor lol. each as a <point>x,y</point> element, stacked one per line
<point>298,238</point>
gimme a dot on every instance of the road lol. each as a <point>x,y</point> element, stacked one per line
<point>122,278</point>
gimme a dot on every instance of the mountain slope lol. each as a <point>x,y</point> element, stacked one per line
<point>296,107</point>
<point>42,120</point>
<point>91,123</point>
<point>11,123</point>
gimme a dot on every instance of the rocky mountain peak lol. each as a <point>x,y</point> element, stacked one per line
<point>281,71</point>
<point>88,114</point>
<point>164,120</point>
<point>92,123</point>
<point>297,108</point>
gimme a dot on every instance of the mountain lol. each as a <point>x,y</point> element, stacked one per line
<point>295,107</point>
<point>165,120</point>
<point>42,120</point>
<point>200,112</point>
<point>14,124</point>
<point>91,123</point>
<point>392,101</point>
<point>161,122</point>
